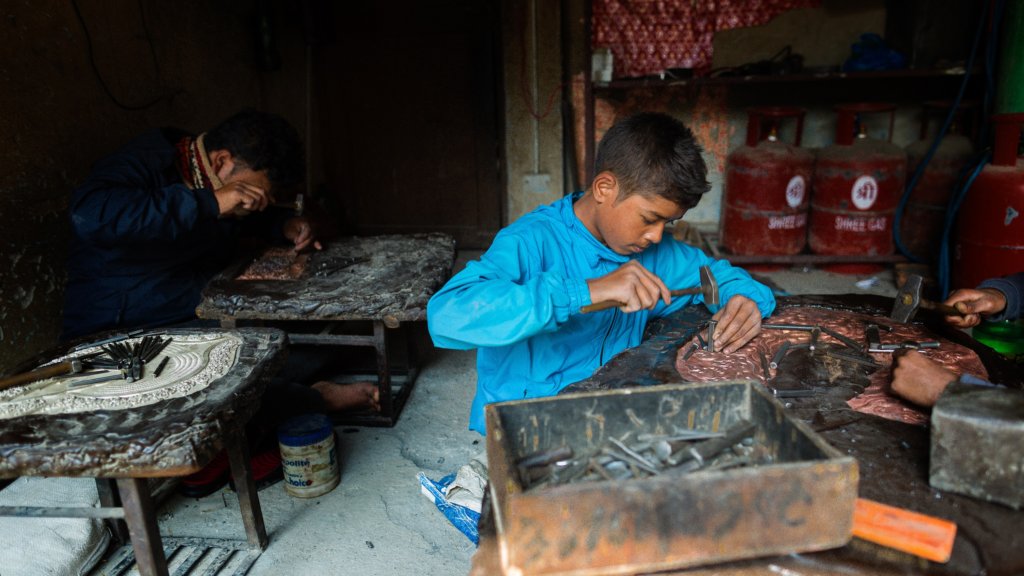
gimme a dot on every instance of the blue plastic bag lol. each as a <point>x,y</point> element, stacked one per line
<point>463,518</point>
<point>871,53</point>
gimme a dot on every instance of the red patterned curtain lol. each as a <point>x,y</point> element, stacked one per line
<point>647,37</point>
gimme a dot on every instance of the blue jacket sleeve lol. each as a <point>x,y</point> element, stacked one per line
<point>499,300</point>
<point>126,199</point>
<point>678,265</point>
<point>1013,288</point>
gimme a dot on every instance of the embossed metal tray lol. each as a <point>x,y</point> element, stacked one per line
<point>801,501</point>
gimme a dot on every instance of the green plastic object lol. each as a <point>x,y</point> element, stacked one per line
<point>1010,78</point>
<point>1005,337</point>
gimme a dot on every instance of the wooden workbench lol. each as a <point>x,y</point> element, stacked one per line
<point>172,437</point>
<point>893,459</point>
<point>383,281</point>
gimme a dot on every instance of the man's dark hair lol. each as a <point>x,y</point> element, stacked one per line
<point>262,141</point>
<point>654,154</point>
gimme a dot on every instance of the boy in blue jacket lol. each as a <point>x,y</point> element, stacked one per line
<point>520,303</point>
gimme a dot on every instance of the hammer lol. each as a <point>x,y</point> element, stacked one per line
<point>908,300</point>
<point>67,367</point>
<point>298,205</point>
<point>708,288</point>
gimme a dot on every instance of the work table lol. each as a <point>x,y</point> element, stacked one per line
<point>892,456</point>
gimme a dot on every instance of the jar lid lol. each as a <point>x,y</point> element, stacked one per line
<point>304,429</point>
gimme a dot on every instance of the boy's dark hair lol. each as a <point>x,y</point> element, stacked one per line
<point>263,141</point>
<point>654,154</point>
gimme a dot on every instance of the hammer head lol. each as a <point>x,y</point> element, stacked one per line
<point>908,300</point>
<point>708,286</point>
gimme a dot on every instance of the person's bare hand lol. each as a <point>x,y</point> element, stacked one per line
<point>975,304</point>
<point>738,322</point>
<point>918,378</point>
<point>300,231</point>
<point>634,286</point>
<point>239,198</point>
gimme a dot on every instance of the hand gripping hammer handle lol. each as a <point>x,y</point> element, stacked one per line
<point>708,287</point>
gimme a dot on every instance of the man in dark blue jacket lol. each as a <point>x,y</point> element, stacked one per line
<point>156,220</point>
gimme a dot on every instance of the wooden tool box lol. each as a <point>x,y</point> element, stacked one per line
<point>803,500</point>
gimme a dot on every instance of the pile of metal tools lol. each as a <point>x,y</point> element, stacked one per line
<point>123,361</point>
<point>647,455</point>
<point>850,351</point>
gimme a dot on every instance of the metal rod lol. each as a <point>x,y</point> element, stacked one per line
<point>72,512</point>
<point>709,448</point>
<point>787,327</point>
<point>160,366</point>
<point>690,351</point>
<point>793,393</point>
<point>114,338</point>
<point>545,457</point>
<point>779,355</point>
<point>850,342</point>
<point>97,380</point>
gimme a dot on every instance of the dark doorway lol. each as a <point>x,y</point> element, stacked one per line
<point>410,97</point>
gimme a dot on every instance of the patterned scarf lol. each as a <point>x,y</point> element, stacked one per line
<point>194,164</point>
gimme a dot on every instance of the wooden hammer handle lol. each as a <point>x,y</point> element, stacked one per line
<point>942,308</point>
<point>59,369</point>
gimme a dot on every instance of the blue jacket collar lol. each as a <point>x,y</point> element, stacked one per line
<point>598,251</point>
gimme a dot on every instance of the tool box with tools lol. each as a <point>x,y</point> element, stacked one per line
<point>659,477</point>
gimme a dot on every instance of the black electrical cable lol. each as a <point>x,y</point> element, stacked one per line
<point>919,170</point>
<point>955,201</point>
<point>96,70</point>
<point>974,168</point>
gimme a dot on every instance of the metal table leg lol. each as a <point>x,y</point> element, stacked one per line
<point>140,515</point>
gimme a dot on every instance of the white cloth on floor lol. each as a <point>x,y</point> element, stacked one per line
<point>37,546</point>
<point>470,482</point>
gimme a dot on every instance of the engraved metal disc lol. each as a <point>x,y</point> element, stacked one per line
<point>194,361</point>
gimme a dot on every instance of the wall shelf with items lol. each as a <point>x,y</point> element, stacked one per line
<point>830,76</point>
<point>834,85</point>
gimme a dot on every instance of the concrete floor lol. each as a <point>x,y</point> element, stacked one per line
<point>377,522</point>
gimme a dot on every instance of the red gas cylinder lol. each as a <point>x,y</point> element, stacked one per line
<point>856,187</point>
<point>766,184</point>
<point>990,223</point>
<point>925,212</point>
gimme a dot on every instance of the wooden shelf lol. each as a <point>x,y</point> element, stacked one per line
<point>835,76</point>
<point>708,242</point>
